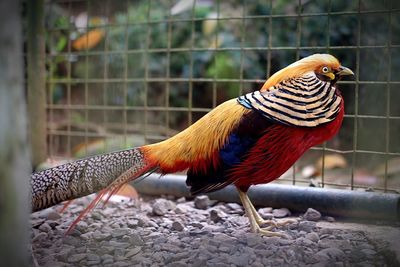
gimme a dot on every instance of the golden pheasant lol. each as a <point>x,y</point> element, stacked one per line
<point>245,141</point>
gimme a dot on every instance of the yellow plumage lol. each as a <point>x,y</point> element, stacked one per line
<point>300,67</point>
<point>200,140</point>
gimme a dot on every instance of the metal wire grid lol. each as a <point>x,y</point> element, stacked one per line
<point>68,81</point>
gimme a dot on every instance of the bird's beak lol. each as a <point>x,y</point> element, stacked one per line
<point>344,71</point>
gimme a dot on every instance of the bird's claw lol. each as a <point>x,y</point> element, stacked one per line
<point>274,223</point>
<point>266,232</point>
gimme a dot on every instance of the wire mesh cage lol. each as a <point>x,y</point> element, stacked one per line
<point>127,73</point>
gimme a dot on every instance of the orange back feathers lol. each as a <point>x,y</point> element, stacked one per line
<point>198,142</point>
<point>300,67</point>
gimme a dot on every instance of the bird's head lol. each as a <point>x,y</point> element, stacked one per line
<point>326,67</point>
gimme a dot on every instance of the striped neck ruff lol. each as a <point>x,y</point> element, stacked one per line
<point>302,101</point>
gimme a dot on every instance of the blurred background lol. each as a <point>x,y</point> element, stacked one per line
<point>126,73</point>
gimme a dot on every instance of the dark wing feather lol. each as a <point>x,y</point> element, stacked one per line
<point>250,128</point>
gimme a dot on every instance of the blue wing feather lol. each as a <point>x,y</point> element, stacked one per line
<point>236,147</point>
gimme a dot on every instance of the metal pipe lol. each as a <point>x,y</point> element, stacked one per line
<point>335,202</point>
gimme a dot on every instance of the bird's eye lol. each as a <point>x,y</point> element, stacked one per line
<point>325,69</point>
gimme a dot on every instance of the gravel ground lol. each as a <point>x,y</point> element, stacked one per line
<point>199,232</point>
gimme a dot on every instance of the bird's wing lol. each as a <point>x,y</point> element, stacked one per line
<point>241,139</point>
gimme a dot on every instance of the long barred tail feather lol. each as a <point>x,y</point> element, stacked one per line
<point>86,176</point>
<point>130,174</point>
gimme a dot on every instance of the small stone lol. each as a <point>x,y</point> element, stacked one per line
<point>93,257</point>
<point>70,240</point>
<point>304,241</point>
<point>106,250</point>
<point>74,258</point>
<point>136,239</point>
<point>224,249</point>
<point>181,200</point>
<point>329,219</point>
<point>179,264</point>
<point>266,213</point>
<point>82,226</point>
<point>80,249</point>
<point>39,237</point>
<point>181,209</point>
<point>333,253</point>
<point>306,226</point>
<point>242,260</point>
<point>45,227</point>
<point>53,224</point>
<point>106,256</point>
<point>177,226</point>
<point>162,206</point>
<point>96,215</point>
<point>121,263</point>
<point>234,206</point>
<point>253,239</point>
<point>212,228</point>
<point>132,223</point>
<point>215,215</point>
<point>91,263</point>
<point>117,244</point>
<point>53,215</point>
<point>86,236</point>
<point>75,232</point>
<point>120,232</point>
<point>332,242</point>
<point>119,252</point>
<point>280,213</point>
<point>202,202</point>
<point>368,252</point>
<point>64,254</point>
<point>312,215</point>
<point>108,261</point>
<point>197,224</point>
<point>326,231</point>
<point>99,236</point>
<point>312,236</point>
<point>152,224</point>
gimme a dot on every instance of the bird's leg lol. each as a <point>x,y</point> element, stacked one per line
<point>254,225</point>
<point>260,221</point>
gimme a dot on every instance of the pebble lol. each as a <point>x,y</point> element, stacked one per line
<point>120,232</point>
<point>312,215</point>
<point>162,206</point>
<point>99,236</point>
<point>329,219</point>
<point>280,213</point>
<point>45,227</point>
<point>192,234</point>
<point>333,253</point>
<point>93,258</point>
<point>306,226</point>
<point>40,237</point>
<point>202,202</point>
<point>178,226</point>
<point>234,206</point>
<point>53,215</point>
<point>266,213</point>
<point>216,215</point>
<point>181,209</point>
<point>132,223</point>
<point>312,236</point>
<point>76,257</point>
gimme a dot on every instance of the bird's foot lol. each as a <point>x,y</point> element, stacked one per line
<point>266,232</point>
<point>274,223</point>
